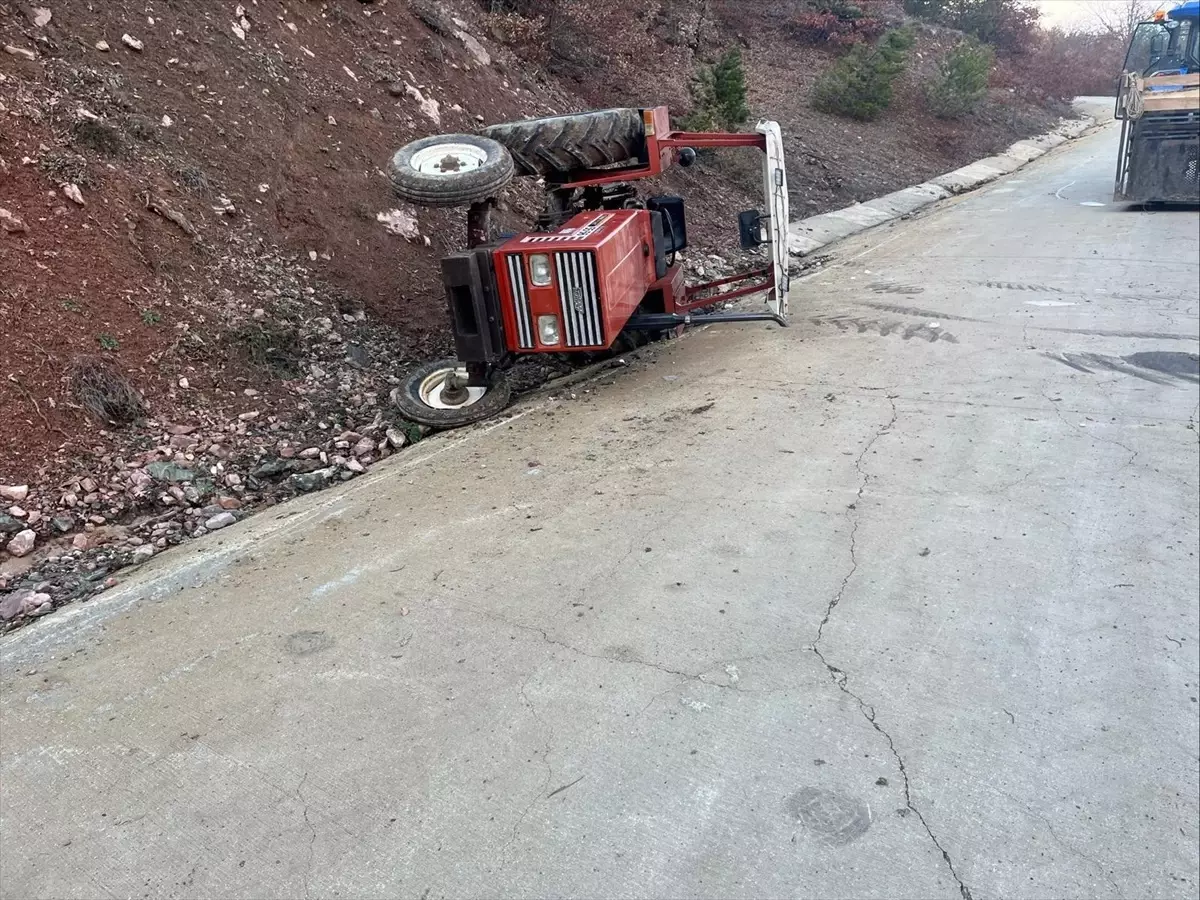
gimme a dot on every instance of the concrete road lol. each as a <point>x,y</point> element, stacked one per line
<point>898,602</point>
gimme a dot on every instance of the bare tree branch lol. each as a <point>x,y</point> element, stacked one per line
<point>1120,17</point>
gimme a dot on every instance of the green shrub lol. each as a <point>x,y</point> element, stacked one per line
<point>961,82</point>
<point>719,96</point>
<point>859,85</point>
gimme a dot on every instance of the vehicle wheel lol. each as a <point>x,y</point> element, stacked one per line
<point>421,397</point>
<point>450,170</point>
<point>567,143</point>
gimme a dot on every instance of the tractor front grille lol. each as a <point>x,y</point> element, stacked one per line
<point>520,294</point>
<point>579,296</point>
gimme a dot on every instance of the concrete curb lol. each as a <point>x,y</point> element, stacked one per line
<point>815,232</point>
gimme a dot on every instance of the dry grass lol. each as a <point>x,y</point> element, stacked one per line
<point>105,392</point>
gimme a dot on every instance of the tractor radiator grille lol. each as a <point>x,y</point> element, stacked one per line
<point>520,294</point>
<point>579,295</point>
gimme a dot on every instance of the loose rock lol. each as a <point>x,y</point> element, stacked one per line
<point>11,222</point>
<point>14,492</point>
<point>476,49</point>
<point>271,468</point>
<point>12,605</point>
<point>310,481</point>
<point>132,43</point>
<point>142,553</point>
<point>22,543</point>
<point>398,222</point>
<point>169,471</point>
<point>396,438</point>
<point>34,600</point>
<point>220,520</point>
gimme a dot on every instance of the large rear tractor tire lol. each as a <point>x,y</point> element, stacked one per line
<point>450,170</point>
<point>422,397</point>
<point>561,144</point>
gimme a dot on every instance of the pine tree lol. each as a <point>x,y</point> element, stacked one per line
<point>729,91</point>
<point>859,85</point>
<point>962,80</point>
<point>719,96</point>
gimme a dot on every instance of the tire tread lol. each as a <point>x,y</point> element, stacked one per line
<point>563,144</point>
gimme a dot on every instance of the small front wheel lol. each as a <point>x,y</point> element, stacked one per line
<point>425,397</point>
<point>450,170</point>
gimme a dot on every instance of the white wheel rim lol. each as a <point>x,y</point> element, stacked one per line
<point>434,385</point>
<point>448,159</point>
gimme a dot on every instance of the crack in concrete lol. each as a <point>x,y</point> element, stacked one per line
<point>1066,845</point>
<point>545,636</point>
<point>1133,454</point>
<point>546,748</point>
<point>312,839</point>
<point>864,480</point>
<point>1012,484</point>
<point>617,566</point>
<point>841,678</point>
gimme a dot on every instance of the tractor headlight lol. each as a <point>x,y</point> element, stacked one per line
<point>548,330</point>
<point>539,269</point>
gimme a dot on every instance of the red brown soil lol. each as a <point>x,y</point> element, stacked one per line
<point>312,115</point>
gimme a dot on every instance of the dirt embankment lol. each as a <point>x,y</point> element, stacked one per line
<point>206,291</point>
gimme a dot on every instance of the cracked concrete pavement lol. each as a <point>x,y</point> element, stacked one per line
<point>909,611</point>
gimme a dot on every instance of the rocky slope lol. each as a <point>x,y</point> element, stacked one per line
<point>207,290</point>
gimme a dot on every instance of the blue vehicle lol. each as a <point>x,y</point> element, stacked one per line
<point>1158,102</point>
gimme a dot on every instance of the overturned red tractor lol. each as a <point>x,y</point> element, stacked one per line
<point>601,261</point>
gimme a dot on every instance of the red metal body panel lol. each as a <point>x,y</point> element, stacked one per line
<point>602,264</point>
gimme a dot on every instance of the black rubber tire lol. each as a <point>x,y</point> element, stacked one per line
<point>561,144</point>
<point>407,398</point>
<point>450,188</point>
